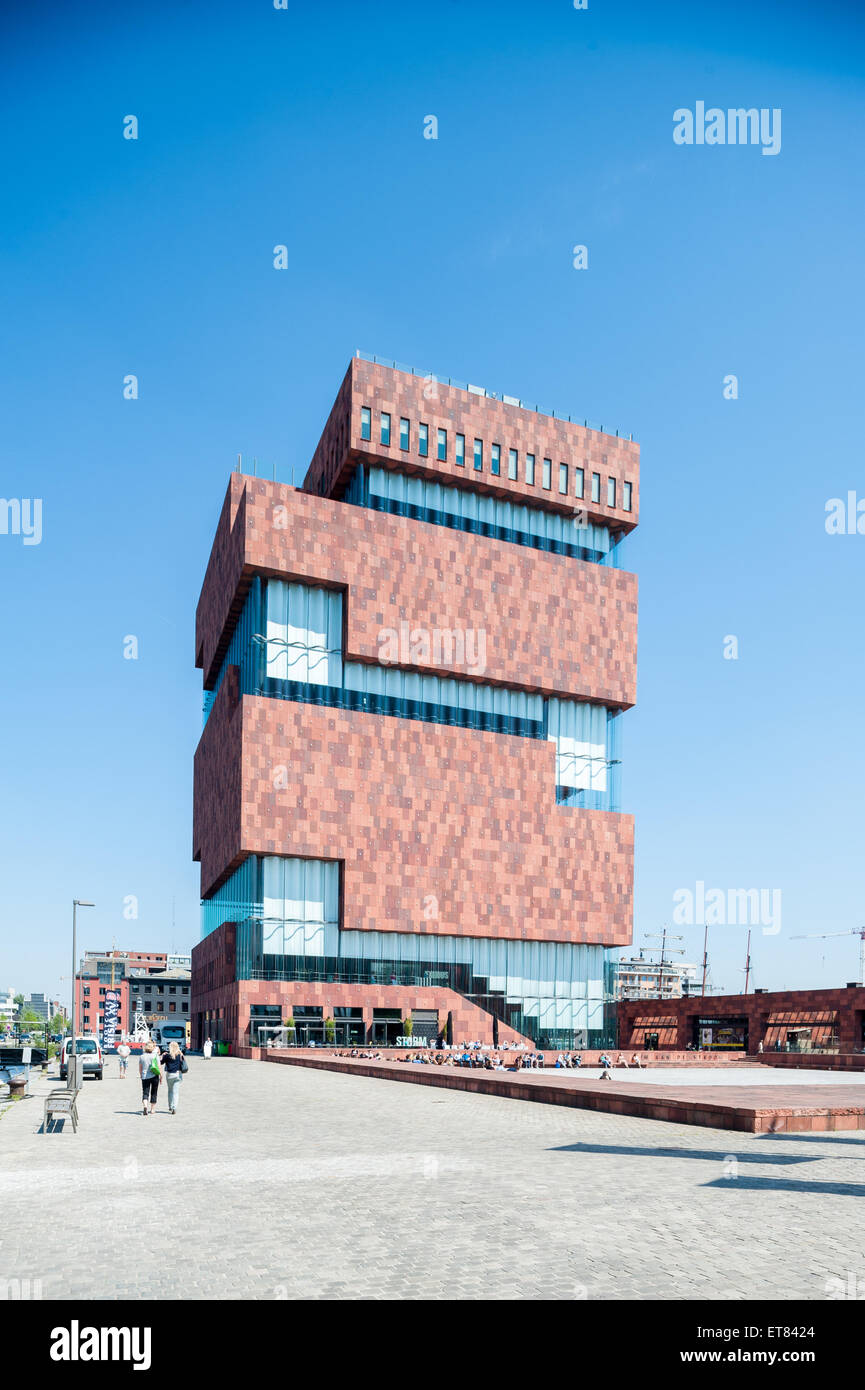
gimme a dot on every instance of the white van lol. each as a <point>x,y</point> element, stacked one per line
<point>90,1050</point>
<point>165,1033</point>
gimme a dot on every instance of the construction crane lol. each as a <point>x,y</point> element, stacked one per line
<point>825,936</point>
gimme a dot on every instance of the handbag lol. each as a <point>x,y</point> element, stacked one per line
<point>184,1065</point>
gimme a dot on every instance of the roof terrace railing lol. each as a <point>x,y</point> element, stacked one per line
<point>287,474</point>
<point>490,395</point>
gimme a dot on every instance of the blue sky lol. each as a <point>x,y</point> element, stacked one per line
<point>304,127</point>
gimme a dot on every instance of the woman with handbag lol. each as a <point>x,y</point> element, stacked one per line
<point>174,1065</point>
<point>150,1072</point>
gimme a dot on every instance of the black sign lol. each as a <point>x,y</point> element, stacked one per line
<point>111,1017</point>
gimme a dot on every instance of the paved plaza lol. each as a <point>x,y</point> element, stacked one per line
<point>279,1182</point>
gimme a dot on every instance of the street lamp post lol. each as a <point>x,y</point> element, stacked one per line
<point>76,903</point>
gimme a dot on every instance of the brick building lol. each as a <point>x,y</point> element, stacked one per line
<point>91,991</point>
<point>415,668</point>
<point>144,982</point>
<point>800,1020</point>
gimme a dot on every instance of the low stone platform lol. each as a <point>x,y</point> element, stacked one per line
<point>798,1108</point>
<point>817,1061</point>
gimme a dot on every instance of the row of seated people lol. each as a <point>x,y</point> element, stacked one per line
<point>621,1061</point>
<point>487,1060</point>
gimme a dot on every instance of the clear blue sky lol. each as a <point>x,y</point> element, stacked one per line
<point>304,127</point>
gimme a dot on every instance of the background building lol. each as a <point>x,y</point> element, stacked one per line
<point>407,787</point>
<point>162,996</point>
<point>802,1020</point>
<point>8,1008</point>
<point>40,1005</point>
<point>635,977</point>
<point>141,979</point>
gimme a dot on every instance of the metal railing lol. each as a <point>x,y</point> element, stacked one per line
<point>289,475</point>
<point>488,395</point>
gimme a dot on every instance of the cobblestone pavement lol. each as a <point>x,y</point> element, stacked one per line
<point>277,1182</point>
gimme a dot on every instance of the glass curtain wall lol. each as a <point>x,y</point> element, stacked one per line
<point>288,929</point>
<point>463,509</point>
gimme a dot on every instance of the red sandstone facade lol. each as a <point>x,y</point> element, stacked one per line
<point>400,394</point>
<point>503,866</point>
<point>414,811</point>
<point>554,625</point>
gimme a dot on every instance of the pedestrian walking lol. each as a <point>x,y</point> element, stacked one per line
<point>123,1059</point>
<point>208,1047</point>
<point>151,1070</point>
<point>174,1066</point>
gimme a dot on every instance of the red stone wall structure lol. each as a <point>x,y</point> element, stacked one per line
<point>415,811</point>
<point>554,625</point>
<point>833,1019</point>
<point>494,420</point>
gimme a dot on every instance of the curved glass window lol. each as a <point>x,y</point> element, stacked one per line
<point>303,632</point>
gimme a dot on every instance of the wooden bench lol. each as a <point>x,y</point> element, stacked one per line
<point>59,1104</point>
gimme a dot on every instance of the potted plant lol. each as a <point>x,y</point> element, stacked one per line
<point>329,1031</point>
<point>407,1026</point>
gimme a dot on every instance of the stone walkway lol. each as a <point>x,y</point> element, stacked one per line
<point>276,1182</point>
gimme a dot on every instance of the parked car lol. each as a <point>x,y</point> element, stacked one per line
<point>90,1050</point>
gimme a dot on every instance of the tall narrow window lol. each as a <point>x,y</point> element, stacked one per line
<point>530,469</point>
<point>626,497</point>
<point>495,458</point>
<point>563,479</point>
<point>479,454</point>
<point>423,440</point>
<point>442,446</point>
<point>547,475</point>
<point>596,487</point>
<point>512,464</point>
<point>611,492</point>
<point>579,482</point>
<point>385,428</point>
<point>365,422</point>
<point>404,434</point>
<point>461,450</point>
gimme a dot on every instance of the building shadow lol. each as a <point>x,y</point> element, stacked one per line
<point>707,1155</point>
<point>811,1189</point>
<point>830,1136</point>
